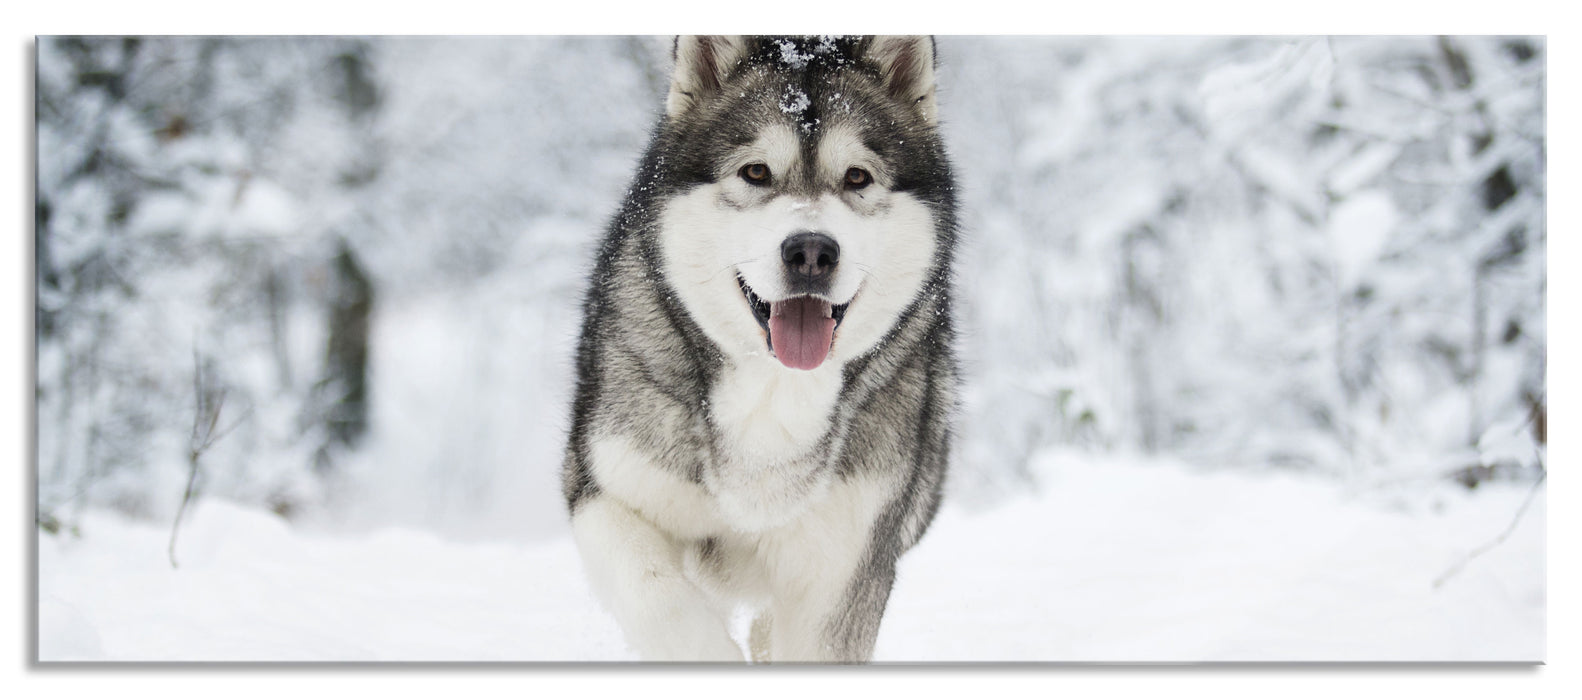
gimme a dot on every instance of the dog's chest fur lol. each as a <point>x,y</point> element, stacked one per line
<point>763,412</point>
<point>773,431</point>
<point>766,460</point>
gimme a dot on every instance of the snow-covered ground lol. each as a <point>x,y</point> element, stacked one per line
<point>1109,559</point>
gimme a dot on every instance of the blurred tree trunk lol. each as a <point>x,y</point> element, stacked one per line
<point>346,361</point>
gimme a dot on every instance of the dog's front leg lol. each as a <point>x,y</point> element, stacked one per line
<point>831,574</point>
<point>834,619</point>
<point>635,570</point>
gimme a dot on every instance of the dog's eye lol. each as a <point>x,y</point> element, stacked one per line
<point>857,178</point>
<point>755,173</point>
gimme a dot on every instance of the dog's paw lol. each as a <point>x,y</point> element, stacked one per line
<point>687,631</point>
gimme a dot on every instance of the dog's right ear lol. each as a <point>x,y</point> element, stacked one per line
<point>702,62</point>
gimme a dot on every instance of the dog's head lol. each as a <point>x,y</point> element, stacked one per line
<point>814,202</point>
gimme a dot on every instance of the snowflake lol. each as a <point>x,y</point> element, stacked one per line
<point>794,101</point>
<point>790,57</point>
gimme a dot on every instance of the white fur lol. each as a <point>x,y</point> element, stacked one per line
<point>766,412</point>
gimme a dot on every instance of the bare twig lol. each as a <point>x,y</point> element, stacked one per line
<point>206,417</point>
<point>1491,544</point>
<point>192,479</point>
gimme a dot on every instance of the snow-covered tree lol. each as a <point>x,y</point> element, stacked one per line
<point>1312,252</point>
<point>181,190</point>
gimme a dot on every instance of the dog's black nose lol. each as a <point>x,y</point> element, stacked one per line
<point>810,255</point>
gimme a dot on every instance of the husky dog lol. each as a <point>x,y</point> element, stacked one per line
<point>765,374</point>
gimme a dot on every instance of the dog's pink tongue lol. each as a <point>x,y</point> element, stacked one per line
<point>801,331</point>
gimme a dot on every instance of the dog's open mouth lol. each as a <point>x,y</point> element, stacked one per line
<point>800,329</point>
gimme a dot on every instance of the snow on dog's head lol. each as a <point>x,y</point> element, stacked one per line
<point>811,202</point>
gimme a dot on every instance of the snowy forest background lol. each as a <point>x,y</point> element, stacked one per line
<point>338,278</point>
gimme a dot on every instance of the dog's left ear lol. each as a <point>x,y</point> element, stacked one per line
<point>906,63</point>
